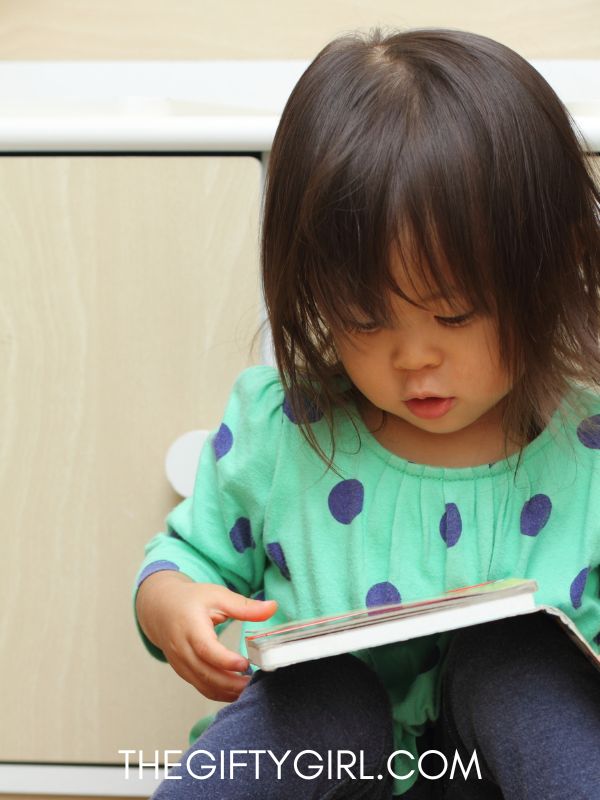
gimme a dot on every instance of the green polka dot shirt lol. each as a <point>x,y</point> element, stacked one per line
<point>268,520</point>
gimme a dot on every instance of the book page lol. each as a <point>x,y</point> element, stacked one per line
<point>462,597</point>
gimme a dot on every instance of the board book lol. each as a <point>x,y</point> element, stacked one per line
<point>319,637</point>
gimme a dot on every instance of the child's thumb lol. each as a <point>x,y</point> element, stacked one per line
<point>240,607</point>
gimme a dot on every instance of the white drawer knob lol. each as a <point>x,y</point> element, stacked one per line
<point>182,459</point>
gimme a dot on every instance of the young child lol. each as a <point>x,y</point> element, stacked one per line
<point>430,267</point>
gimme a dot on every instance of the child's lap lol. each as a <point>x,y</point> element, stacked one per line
<point>521,694</point>
<point>499,679</point>
<point>326,705</point>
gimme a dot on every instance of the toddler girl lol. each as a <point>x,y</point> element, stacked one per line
<point>430,270</point>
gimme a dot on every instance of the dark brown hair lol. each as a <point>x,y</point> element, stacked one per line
<point>452,149</point>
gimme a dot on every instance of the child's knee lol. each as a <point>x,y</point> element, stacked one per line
<point>494,665</point>
<point>339,693</point>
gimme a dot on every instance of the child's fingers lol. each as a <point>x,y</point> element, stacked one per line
<point>240,607</point>
<point>207,648</point>
<point>213,683</point>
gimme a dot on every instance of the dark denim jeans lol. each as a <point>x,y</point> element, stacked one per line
<point>516,691</point>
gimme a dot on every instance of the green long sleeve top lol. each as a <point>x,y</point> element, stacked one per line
<point>267,519</point>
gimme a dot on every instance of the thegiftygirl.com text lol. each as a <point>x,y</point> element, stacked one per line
<point>307,764</point>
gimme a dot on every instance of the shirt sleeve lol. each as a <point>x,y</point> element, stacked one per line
<point>215,536</point>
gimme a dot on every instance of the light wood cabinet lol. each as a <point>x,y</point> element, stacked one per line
<point>129,296</point>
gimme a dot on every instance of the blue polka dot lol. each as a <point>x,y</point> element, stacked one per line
<point>578,586</point>
<point>451,525</point>
<point>156,566</point>
<point>241,535</point>
<point>597,638</point>
<point>259,595</point>
<point>222,441</point>
<point>231,587</point>
<point>588,432</point>
<point>312,412</point>
<point>381,593</point>
<point>346,500</point>
<point>277,556</point>
<point>535,514</point>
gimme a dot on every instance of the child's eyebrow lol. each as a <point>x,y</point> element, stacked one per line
<point>452,294</point>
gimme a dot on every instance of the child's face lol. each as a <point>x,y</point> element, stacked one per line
<point>432,350</point>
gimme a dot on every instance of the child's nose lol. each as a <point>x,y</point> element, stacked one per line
<point>412,351</point>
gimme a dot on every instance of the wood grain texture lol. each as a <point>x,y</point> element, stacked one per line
<point>59,797</point>
<point>187,29</point>
<point>129,297</point>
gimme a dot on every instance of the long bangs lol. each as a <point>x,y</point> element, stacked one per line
<point>404,189</point>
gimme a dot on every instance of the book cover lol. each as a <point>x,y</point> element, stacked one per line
<point>356,629</point>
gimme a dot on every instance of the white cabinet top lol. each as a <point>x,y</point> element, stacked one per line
<point>227,106</point>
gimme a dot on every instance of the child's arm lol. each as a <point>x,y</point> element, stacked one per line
<point>178,615</point>
<point>211,559</point>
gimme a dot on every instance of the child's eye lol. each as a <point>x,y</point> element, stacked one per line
<point>456,322</point>
<point>363,327</point>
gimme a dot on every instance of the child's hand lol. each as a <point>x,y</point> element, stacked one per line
<point>178,615</point>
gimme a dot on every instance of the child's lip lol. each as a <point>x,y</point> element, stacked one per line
<point>428,408</point>
<point>427,396</point>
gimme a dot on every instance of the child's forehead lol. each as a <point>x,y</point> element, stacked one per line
<point>416,292</point>
<point>423,278</point>
<point>418,282</point>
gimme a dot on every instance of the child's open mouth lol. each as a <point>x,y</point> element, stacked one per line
<point>430,407</point>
